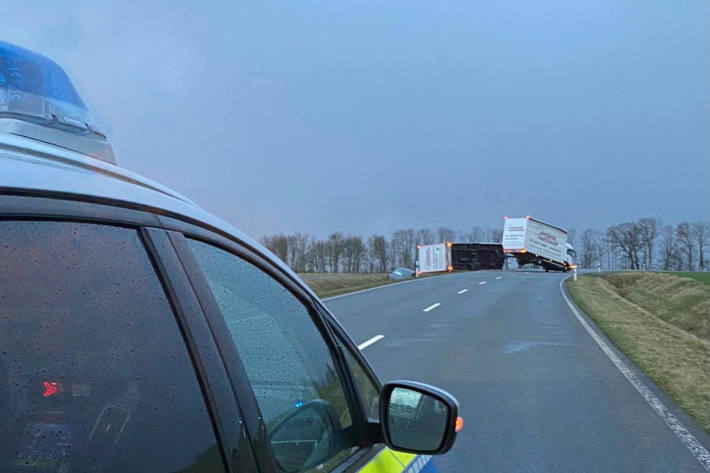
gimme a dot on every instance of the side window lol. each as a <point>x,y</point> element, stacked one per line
<point>94,373</point>
<point>369,393</point>
<point>287,362</point>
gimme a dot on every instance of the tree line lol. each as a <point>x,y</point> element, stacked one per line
<point>642,244</point>
<point>346,253</point>
<point>646,244</point>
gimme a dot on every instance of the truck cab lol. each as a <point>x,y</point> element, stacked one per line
<point>532,241</point>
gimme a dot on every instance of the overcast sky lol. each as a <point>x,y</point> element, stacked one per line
<point>366,117</point>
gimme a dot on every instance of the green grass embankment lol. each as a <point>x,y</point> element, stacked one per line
<point>661,321</point>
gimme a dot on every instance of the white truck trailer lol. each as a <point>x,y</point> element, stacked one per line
<point>434,258</point>
<point>531,241</point>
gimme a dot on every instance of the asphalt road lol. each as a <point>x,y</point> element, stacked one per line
<point>536,391</point>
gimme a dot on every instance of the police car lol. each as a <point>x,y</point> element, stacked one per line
<point>139,333</point>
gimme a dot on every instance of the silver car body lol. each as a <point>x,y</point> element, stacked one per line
<point>30,166</point>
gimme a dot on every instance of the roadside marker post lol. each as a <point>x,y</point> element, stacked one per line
<point>574,274</point>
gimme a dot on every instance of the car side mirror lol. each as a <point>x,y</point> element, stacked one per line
<point>418,418</point>
<point>305,437</point>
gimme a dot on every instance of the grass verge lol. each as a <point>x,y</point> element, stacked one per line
<point>333,284</point>
<point>700,277</point>
<point>646,316</point>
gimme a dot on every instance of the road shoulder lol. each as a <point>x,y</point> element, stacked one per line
<point>685,428</point>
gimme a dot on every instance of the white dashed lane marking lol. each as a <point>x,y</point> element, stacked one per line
<point>462,291</point>
<point>369,342</point>
<point>432,307</point>
<point>499,277</point>
<point>481,283</point>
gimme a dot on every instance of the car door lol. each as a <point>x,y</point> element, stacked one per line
<point>96,373</point>
<point>306,413</point>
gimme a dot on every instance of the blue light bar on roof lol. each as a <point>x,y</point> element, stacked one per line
<point>34,88</point>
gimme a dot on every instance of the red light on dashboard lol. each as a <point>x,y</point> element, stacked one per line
<point>51,388</point>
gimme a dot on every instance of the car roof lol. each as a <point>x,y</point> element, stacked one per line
<point>30,166</point>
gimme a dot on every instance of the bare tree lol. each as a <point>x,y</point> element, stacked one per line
<point>378,249</point>
<point>700,233</point>
<point>311,265</point>
<point>278,245</point>
<point>425,236</point>
<point>403,247</point>
<point>394,253</point>
<point>572,237</point>
<point>602,248</point>
<point>346,255</point>
<point>478,234</point>
<point>590,250</point>
<point>625,238</point>
<point>686,241</point>
<point>446,234</point>
<point>319,251</point>
<point>353,250</point>
<point>359,251</point>
<point>297,245</point>
<point>495,235</point>
<point>335,250</point>
<point>396,248</point>
<point>670,255</point>
<point>409,248</point>
<point>648,233</point>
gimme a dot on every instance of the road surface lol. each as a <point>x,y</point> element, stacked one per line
<point>536,391</point>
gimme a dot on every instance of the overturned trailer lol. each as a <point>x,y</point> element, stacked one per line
<point>473,256</point>
<point>459,256</point>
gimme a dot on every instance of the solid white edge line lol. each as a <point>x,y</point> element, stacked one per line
<point>683,434</point>
<point>481,283</point>
<point>462,291</point>
<point>369,342</point>
<point>432,307</point>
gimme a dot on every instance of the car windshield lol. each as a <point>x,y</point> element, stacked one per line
<point>506,200</point>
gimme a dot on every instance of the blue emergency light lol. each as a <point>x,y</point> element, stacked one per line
<point>35,88</point>
<point>38,101</point>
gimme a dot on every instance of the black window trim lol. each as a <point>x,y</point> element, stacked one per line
<point>373,431</point>
<point>345,339</point>
<point>169,269</point>
<point>232,362</point>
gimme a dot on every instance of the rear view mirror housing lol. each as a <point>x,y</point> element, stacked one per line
<point>418,418</point>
